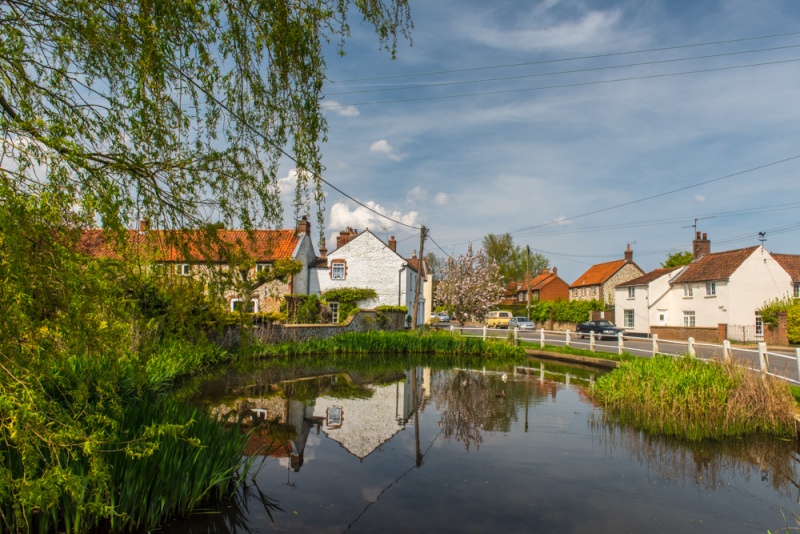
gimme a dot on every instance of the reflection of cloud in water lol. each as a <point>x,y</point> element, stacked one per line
<point>705,463</point>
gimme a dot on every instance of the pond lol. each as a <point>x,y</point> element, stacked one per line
<point>508,450</point>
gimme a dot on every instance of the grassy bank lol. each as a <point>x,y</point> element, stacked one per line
<point>624,357</point>
<point>688,398</point>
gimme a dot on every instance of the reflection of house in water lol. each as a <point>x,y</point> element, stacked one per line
<point>363,425</point>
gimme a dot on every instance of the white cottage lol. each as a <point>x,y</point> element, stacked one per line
<point>362,260</point>
<point>720,288</point>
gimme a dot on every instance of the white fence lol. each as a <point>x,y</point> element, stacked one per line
<point>783,364</point>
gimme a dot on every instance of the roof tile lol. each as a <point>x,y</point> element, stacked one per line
<point>715,266</point>
<point>790,264</point>
<point>598,274</point>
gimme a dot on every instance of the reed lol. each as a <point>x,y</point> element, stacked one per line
<point>694,400</point>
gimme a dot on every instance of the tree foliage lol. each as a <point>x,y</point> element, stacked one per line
<point>513,261</point>
<point>677,259</point>
<point>171,110</point>
<point>471,285</point>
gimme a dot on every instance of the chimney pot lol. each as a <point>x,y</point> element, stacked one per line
<point>705,235</point>
<point>701,247</point>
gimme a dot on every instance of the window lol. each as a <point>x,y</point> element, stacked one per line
<point>688,319</point>
<point>522,297</point>
<point>183,269</point>
<point>688,292</point>
<point>334,306</point>
<point>711,289</point>
<point>629,315</point>
<point>662,317</point>
<point>263,267</point>
<point>796,291</point>
<point>252,306</point>
<point>338,270</point>
<point>759,325</point>
<point>631,292</point>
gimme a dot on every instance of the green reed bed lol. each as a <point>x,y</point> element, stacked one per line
<point>398,343</point>
<point>688,398</point>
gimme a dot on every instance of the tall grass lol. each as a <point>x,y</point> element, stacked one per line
<point>688,398</point>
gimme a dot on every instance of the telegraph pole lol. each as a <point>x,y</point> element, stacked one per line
<point>421,267</point>
<point>528,276</point>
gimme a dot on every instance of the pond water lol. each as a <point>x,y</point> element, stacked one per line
<point>487,451</point>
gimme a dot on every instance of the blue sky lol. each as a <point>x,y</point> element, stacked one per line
<point>569,124</point>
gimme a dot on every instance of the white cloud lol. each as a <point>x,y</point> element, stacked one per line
<point>382,146</point>
<point>341,109</point>
<point>361,218</point>
<point>699,198</point>
<point>441,199</point>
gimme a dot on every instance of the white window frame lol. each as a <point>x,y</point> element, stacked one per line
<point>759,325</point>
<point>689,319</point>
<point>183,269</point>
<point>796,290</point>
<point>266,267</point>
<point>522,297</point>
<point>629,318</point>
<point>236,301</point>
<point>688,291</point>
<point>711,289</point>
<point>338,270</point>
<point>631,292</point>
<point>334,306</point>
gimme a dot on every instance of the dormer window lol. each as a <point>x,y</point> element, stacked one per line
<point>263,267</point>
<point>183,269</point>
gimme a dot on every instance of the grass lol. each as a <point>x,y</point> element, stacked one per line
<point>690,399</point>
<point>624,357</point>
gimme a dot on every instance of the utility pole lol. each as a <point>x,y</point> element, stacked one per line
<point>528,276</point>
<point>419,277</point>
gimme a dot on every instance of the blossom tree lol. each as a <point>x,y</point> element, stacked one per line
<point>471,285</point>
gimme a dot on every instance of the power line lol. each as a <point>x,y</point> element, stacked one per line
<point>562,86</point>
<point>576,58</point>
<point>556,73</point>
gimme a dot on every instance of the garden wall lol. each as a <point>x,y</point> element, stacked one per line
<point>361,321</point>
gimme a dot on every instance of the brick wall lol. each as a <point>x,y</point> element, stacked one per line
<point>778,334</point>
<point>682,333</point>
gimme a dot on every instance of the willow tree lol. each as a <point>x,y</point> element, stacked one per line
<point>171,111</point>
<point>111,111</point>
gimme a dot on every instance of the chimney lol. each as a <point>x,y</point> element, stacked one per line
<point>700,246</point>
<point>629,254</point>
<point>303,226</point>
<point>414,255</point>
<point>345,236</point>
<point>393,244</point>
<point>555,270</point>
<point>323,252</point>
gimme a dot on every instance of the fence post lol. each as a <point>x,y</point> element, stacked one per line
<point>541,338</point>
<point>484,333</point>
<point>762,358</point>
<point>566,338</point>
<point>655,344</point>
<point>591,340</point>
<point>797,357</point>
<point>452,327</point>
<point>726,350</point>
<point>516,336</point>
<point>620,343</point>
<point>690,347</point>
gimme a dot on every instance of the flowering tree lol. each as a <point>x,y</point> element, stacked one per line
<point>471,285</point>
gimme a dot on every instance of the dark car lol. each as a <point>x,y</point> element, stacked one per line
<point>601,329</point>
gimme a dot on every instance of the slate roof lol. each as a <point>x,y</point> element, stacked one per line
<point>262,245</point>
<point>598,274</point>
<point>715,266</point>
<point>649,277</point>
<point>790,264</point>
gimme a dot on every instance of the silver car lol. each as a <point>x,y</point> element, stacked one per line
<point>523,323</point>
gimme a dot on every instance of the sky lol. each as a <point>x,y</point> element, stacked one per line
<point>580,127</point>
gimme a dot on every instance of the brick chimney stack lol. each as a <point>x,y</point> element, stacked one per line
<point>323,251</point>
<point>393,244</point>
<point>629,254</point>
<point>303,226</point>
<point>700,247</point>
<point>345,236</point>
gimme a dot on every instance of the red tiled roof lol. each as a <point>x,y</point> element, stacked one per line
<point>163,245</point>
<point>649,277</point>
<point>598,274</point>
<point>715,266</point>
<point>538,282</point>
<point>790,264</point>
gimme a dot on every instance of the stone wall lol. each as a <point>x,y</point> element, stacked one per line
<point>361,321</point>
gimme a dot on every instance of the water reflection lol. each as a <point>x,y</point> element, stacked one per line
<point>526,444</point>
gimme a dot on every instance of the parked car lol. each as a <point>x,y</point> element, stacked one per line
<point>498,319</point>
<point>601,329</point>
<point>523,323</point>
<point>444,317</point>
